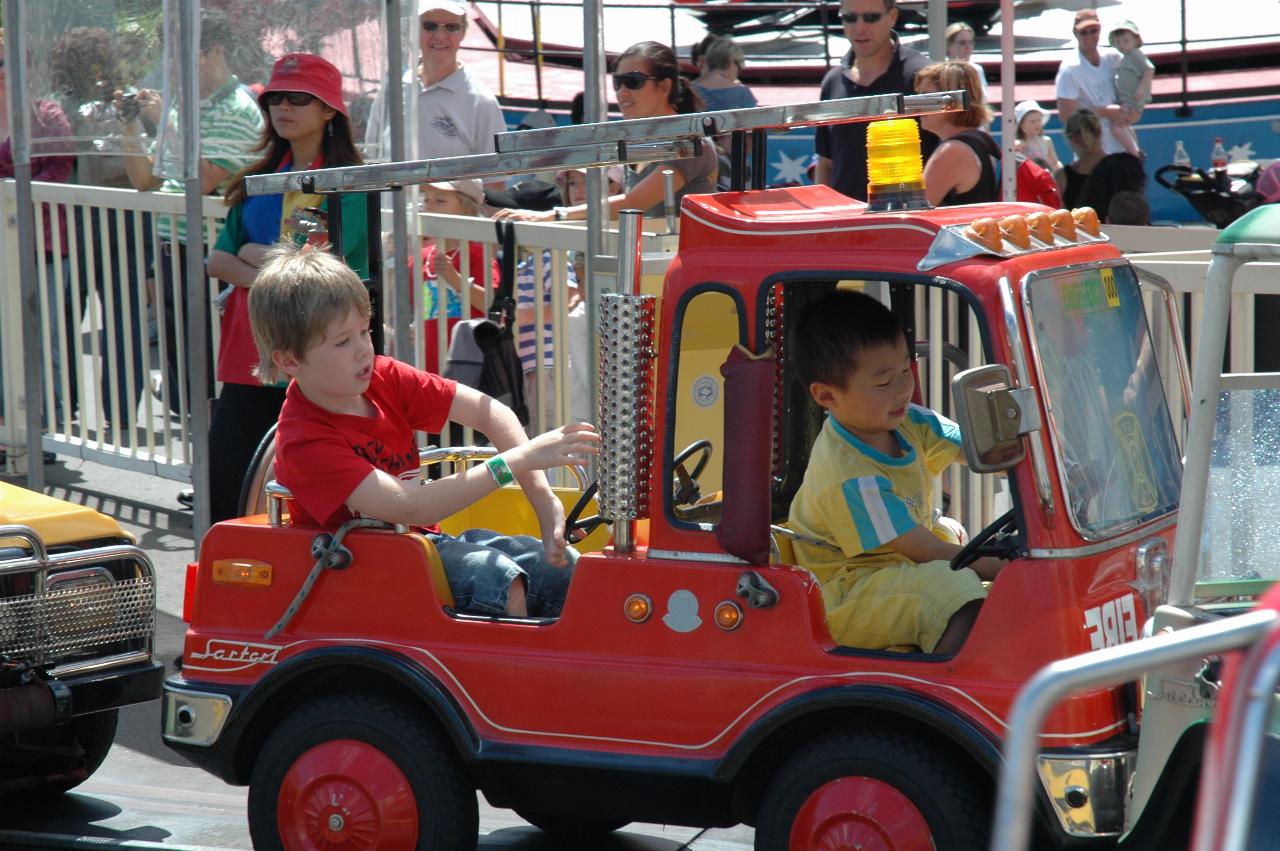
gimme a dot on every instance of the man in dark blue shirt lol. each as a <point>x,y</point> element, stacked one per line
<point>876,64</point>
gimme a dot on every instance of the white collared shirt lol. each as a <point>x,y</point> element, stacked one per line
<point>455,117</point>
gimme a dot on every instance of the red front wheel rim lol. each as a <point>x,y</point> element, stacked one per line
<point>346,795</point>
<point>859,813</point>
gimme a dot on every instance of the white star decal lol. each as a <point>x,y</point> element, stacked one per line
<point>791,170</point>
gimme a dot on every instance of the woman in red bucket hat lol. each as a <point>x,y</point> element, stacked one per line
<point>307,127</point>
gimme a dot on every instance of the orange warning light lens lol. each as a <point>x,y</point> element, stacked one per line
<point>728,616</point>
<point>986,232</point>
<point>1040,226</point>
<point>638,608</point>
<point>1087,220</point>
<point>238,571</point>
<point>1063,224</point>
<point>1015,230</point>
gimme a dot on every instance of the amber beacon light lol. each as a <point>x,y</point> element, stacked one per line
<point>895,170</point>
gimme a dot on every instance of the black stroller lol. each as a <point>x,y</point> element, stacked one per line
<point>1220,197</point>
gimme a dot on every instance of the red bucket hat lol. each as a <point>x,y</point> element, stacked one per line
<point>306,72</point>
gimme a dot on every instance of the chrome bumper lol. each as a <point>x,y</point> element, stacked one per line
<point>193,717</point>
<point>1088,791</point>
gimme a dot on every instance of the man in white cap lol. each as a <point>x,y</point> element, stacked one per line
<point>456,113</point>
<point>1086,79</point>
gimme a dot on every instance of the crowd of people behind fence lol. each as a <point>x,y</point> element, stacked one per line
<point>302,118</point>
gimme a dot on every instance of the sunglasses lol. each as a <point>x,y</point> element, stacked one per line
<point>294,98</point>
<point>631,80</point>
<point>1089,31</point>
<point>452,27</point>
<point>867,17</point>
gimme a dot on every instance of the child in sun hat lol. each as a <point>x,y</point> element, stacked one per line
<point>1029,118</point>
<point>456,198</point>
<point>1133,81</point>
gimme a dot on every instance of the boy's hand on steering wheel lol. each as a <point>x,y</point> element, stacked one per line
<point>987,567</point>
<point>554,545</point>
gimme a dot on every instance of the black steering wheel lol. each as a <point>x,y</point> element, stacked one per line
<point>995,540</point>
<point>685,490</point>
<point>577,527</point>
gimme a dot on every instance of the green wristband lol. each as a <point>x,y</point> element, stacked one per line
<point>499,470</point>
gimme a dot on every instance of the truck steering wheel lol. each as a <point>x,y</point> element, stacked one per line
<point>995,540</point>
<point>685,491</point>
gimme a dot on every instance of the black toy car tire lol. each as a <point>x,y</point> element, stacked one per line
<point>949,804</point>
<point>568,828</point>
<point>385,734</point>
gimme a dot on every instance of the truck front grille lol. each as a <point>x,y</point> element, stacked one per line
<point>63,624</point>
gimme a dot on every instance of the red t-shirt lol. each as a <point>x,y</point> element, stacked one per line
<point>321,457</point>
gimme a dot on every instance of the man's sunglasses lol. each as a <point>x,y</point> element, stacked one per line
<point>453,27</point>
<point>631,80</point>
<point>867,17</point>
<point>294,98</point>
<point>1089,31</point>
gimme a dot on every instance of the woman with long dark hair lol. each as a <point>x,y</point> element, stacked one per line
<point>307,128</point>
<point>648,84</point>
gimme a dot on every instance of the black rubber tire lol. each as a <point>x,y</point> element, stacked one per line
<point>572,829</point>
<point>445,797</point>
<point>954,801</point>
<point>93,733</point>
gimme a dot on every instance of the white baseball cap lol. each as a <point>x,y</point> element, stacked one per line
<point>470,187</point>
<point>453,7</point>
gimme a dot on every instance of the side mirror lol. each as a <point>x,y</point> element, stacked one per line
<point>993,417</point>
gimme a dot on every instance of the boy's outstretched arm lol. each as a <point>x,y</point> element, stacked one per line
<point>385,497</point>
<point>486,414</point>
<point>920,545</point>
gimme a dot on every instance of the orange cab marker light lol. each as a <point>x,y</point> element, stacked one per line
<point>986,232</point>
<point>241,571</point>
<point>1087,220</point>
<point>728,616</point>
<point>638,607</point>
<point>1040,226</point>
<point>1063,224</point>
<point>1015,230</point>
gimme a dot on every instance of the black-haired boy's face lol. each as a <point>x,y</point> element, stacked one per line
<point>875,397</point>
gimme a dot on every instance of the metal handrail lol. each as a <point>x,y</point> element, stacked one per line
<point>1101,668</point>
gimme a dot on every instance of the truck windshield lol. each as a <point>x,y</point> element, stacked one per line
<point>1109,418</point>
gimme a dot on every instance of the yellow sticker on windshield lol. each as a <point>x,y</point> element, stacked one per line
<point>1137,461</point>
<point>1109,287</point>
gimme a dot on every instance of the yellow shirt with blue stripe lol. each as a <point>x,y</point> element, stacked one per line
<point>859,499</point>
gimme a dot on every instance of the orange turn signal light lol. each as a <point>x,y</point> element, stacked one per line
<point>638,608</point>
<point>1064,225</point>
<point>985,232</point>
<point>1040,226</point>
<point>241,571</point>
<point>1015,230</point>
<point>728,615</point>
<point>1087,220</point>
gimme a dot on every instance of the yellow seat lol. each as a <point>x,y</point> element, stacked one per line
<point>435,570</point>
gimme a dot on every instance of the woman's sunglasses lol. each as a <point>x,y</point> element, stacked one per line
<point>867,17</point>
<point>294,98</point>
<point>452,27</point>
<point>631,80</point>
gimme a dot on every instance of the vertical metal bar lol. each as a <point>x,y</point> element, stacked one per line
<point>737,160</point>
<point>402,286</point>
<point>373,239</point>
<point>58,329</point>
<point>1184,110</point>
<point>826,33</point>
<point>1205,382</point>
<point>669,199</point>
<point>595,104</point>
<point>937,23</point>
<point>1008,127</point>
<point>15,59</point>
<point>759,157</point>
<point>629,222</point>
<point>197,308</point>
<point>537,400</point>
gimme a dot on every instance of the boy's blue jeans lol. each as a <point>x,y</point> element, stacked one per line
<point>481,565</point>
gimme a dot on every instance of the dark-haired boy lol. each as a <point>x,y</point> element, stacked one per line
<point>868,490</point>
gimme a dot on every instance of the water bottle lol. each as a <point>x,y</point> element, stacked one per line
<point>1218,159</point>
<point>1180,155</point>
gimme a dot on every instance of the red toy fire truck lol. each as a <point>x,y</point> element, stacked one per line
<point>691,678</point>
